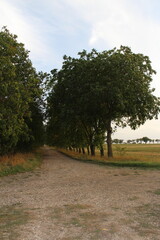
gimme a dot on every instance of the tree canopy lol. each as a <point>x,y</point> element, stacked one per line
<point>96,90</point>
<point>19,90</point>
<point>87,98</point>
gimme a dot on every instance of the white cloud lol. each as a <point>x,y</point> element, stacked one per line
<point>124,25</point>
<point>122,22</point>
<point>150,129</point>
<point>125,22</point>
<point>28,29</point>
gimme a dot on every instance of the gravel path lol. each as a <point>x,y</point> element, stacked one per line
<point>68,200</point>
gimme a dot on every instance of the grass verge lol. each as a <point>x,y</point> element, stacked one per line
<point>20,162</point>
<point>124,161</point>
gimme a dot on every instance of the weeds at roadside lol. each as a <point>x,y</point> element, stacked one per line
<point>123,161</point>
<point>19,163</point>
<point>121,151</point>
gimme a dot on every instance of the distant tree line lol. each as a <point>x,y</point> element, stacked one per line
<point>136,141</point>
<point>21,113</point>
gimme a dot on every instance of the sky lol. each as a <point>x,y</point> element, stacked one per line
<point>51,29</point>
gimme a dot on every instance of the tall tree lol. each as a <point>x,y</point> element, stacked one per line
<point>128,98</point>
<point>71,98</point>
<point>19,86</point>
<point>105,88</point>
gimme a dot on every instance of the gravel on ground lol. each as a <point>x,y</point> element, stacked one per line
<point>67,199</point>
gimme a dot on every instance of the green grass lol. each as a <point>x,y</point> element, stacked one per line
<point>157,192</point>
<point>11,218</point>
<point>82,217</point>
<point>145,156</point>
<point>16,164</point>
<point>151,212</point>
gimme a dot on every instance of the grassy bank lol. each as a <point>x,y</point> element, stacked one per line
<point>125,155</point>
<point>20,162</point>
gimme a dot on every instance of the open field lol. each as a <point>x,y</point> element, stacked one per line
<point>125,155</point>
<point>143,152</point>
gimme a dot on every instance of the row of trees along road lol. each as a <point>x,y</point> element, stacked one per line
<point>21,116</point>
<point>89,95</point>
<point>95,91</point>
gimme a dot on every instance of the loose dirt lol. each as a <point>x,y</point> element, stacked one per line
<point>69,200</point>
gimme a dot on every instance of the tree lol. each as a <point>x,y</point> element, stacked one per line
<point>63,129</point>
<point>145,139</point>
<point>70,100</point>
<point>128,99</point>
<point>35,135</point>
<point>105,88</point>
<point>19,87</point>
<point>117,141</point>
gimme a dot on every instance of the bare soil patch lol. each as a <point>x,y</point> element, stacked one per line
<point>70,200</point>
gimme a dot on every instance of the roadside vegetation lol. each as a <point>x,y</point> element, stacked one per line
<point>125,155</point>
<point>20,162</point>
<point>21,107</point>
<point>77,107</point>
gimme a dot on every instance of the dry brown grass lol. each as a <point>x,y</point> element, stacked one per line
<point>16,159</point>
<point>141,155</point>
<point>19,162</point>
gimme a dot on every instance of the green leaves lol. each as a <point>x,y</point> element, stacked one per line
<point>19,87</point>
<point>97,89</point>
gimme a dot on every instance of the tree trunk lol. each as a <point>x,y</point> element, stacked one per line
<point>79,150</point>
<point>109,140</point>
<point>88,151</point>
<point>92,148</point>
<point>102,151</point>
<point>83,150</point>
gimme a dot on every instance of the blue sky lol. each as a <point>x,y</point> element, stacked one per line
<point>53,28</point>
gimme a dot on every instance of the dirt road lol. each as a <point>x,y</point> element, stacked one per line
<point>70,200</point>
